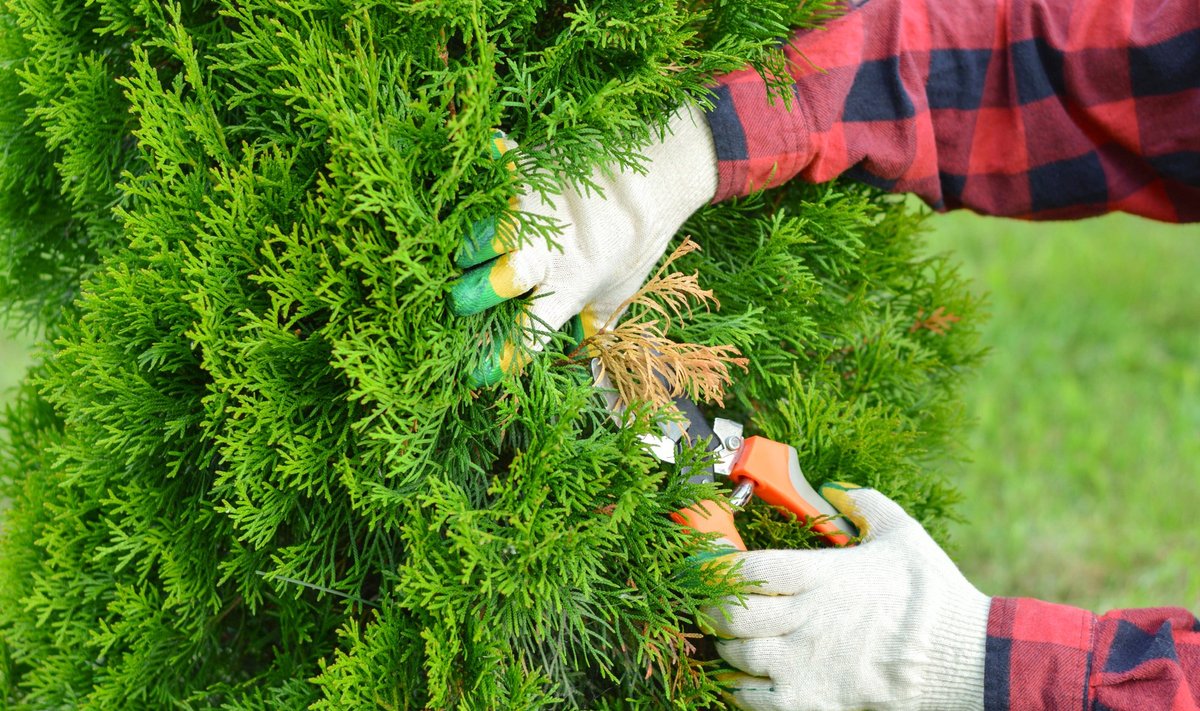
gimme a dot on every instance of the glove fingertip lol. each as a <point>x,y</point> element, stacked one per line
<point>869,509</point>
<point>485,286</point>
<point>840,485</point>
<point>715,554</point>
<point>473,293</point>
<point>479,245</point>
<point>754,693</point>
<point>485,375</point>
<point>844,496</point>
<point>494,366</point>
<point>737,682</point>
<point>500,144</point>
<point>574,329</point>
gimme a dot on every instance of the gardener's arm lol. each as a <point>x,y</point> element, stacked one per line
<point>1040,109</point>
<point>892,624</point>
<point>1044,656</point>
<point>1028,108</point>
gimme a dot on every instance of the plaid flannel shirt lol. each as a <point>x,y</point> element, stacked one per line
<point>1045,656</point>
<point>1040,109</point>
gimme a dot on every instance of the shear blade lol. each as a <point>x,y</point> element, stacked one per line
<point>684,419</point>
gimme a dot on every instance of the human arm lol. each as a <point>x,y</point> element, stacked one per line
<point>1043,109</point>
<point>1028,108</point>
<point>892,624</point>
<point>1046,656</point>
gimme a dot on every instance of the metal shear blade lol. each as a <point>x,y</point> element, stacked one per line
<point>685,421</point>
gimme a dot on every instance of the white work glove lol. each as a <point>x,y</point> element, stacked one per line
<point>609,241</point>
<point>888,624</point>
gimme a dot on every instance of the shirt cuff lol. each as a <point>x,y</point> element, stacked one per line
<point>761,141</point>
<point>1039,655</point>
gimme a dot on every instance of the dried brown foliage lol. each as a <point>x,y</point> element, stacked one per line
<point>937,322</point>
<point>642,362</point>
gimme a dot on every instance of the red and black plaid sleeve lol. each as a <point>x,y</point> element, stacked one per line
<point>1041,109</point>
<point>1045,656</point>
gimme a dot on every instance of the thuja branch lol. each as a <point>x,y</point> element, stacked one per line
<point>642,362</point>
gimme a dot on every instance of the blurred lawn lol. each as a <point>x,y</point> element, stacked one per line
<point>1085,484</point>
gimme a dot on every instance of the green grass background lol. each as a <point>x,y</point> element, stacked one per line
<point>1084,484</point>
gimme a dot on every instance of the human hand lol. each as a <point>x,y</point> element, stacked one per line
<point>608,243</point>
<point>888,624</point>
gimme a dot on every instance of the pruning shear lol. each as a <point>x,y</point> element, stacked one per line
<point>757,466</point>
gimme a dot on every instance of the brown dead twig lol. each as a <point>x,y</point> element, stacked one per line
<point>642,362</point>
<point>938,322</point>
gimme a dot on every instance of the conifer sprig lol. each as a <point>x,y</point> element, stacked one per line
<point>643,363</point>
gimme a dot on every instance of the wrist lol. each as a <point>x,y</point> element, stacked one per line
<point>955,667</point>
<point>697,153</point>
<point>681,169</point>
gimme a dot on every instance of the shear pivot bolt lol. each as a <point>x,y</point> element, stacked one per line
<point>733,443</point>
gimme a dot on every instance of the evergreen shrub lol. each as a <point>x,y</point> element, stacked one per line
<point>249,471</point>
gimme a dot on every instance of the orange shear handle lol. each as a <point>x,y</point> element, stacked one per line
<point>710,517</point>
<point>774,469</point>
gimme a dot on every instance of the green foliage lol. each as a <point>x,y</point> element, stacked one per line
<point>824,291</point>
<point>250,473</point>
